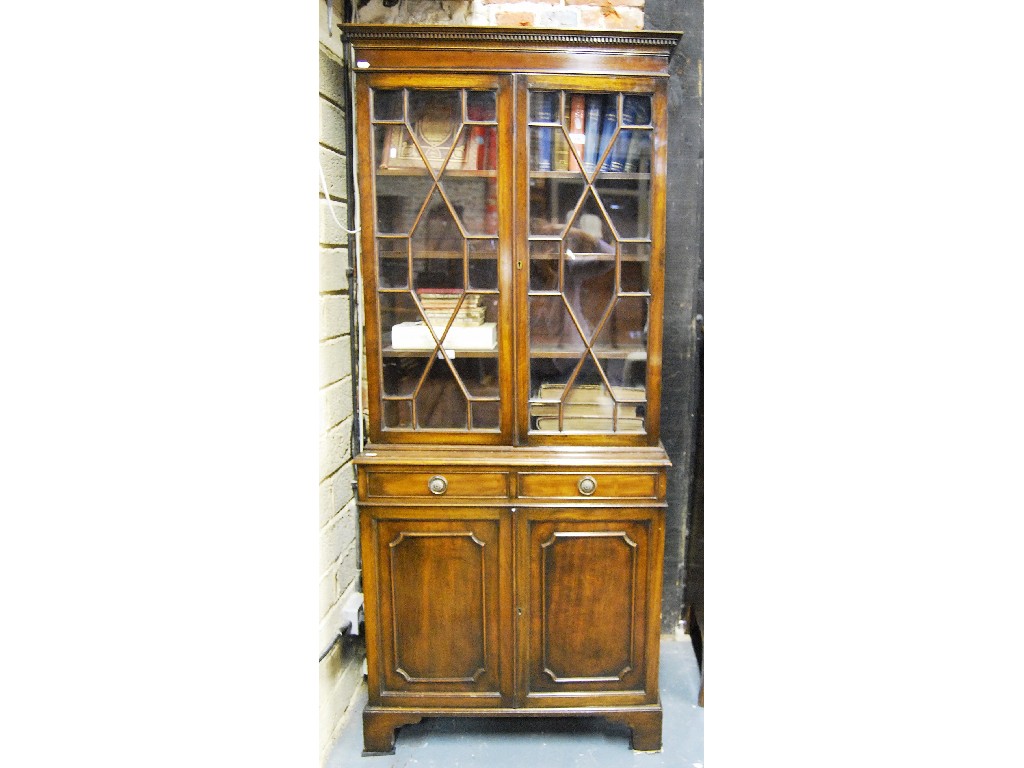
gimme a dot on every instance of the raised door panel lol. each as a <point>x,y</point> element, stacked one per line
<point>440,609</point>
<point>585,587</point>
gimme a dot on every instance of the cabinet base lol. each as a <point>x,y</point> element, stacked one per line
<point>380,723</point>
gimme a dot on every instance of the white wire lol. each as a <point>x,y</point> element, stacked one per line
<point>330,204</point>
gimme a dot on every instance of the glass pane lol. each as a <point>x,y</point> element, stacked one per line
<point>474,199</point>
<point>483,264</point>
<point>544,259</point>
<point>479,375</point>
<point>636,267</point>
<point>486,414</point>
<point>481,105</point>
<point>573,119</point>
<point>393,255</point>
<point>399,311</point>
<point>388,105</point>
<point>440,403</point>
<point>400,200</point>
<point>402,373</point>
<point>626,327</point>
<point>552,202</point>
<point>398,414</point>
<point>627,201</point>
<point>636,109</point>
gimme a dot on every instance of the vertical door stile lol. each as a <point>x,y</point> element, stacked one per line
<point>520,256</point>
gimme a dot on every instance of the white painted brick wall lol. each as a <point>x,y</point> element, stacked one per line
<point>332,126</point>
<point>336,402</point>
<point>340,670</point>
<point>334,320</point>
<point>333,263</point>
<point>335,448</point>
<point>333,232</point>
<point>335,173</point>
<point>335,360</point>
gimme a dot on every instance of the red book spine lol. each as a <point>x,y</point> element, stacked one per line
<point>576,134</point>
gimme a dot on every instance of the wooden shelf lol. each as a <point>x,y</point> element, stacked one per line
<point>588,257</point>
<point>578,176</point>
<point>457,173</point>
<point>455,354</point>
<point>438,255</point>
<point>603,352</point>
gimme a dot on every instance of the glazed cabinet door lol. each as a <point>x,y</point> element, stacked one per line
<point>440,621</point>
<point>589,592</point>
<point>435,171</point>
<point>590,258</point>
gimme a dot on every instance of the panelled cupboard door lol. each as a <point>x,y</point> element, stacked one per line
<point>443,583</point>
<point>591,600</point>
<point>435,169</point>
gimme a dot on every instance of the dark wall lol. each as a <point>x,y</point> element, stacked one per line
<point>681,390</point>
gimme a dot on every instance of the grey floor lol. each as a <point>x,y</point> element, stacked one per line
<point>448,742</point>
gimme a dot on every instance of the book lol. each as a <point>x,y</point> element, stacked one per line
<point>545,114</point>
<point>435,127</point>
<point>590,424</point>
<point>592,393</point>
<point>638,147</point>
<point>592,132</point>
<point>490,156</point>
<point>474,148</point>
<point>560,162</point>
<point>416,335</point>
<point>632,113</point>
<point>389,149</point>
<point>608,125</point>
<point>577,112</point>
<point>584,409</point>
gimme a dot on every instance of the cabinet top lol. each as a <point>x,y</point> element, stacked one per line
<point>379,46</point>
<point>515,456</point>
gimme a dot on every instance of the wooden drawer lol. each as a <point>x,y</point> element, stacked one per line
<point>577,485</point>
<point>477,485</point>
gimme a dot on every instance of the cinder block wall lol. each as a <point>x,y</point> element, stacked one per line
<point>340,671</point>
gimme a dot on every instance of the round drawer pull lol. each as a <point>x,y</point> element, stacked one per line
<point>587,485</point>
<point>437,485</point>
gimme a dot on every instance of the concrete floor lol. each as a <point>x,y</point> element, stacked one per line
<point>449,742</point>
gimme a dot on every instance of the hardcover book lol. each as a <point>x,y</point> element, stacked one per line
<point>545,114</point>
<point>435,128</point>
<point>608,126</point>
<point>592,132</point>
<point>577,114</point>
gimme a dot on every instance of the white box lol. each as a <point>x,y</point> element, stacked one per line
<point>415,335</point>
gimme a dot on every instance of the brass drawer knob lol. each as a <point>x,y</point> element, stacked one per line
<point>587,485</point>
<point>437,485</point>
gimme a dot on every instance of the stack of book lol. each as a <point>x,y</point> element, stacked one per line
<point>468,329</point>
<point>589,407</point>
<point>439,304</point>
